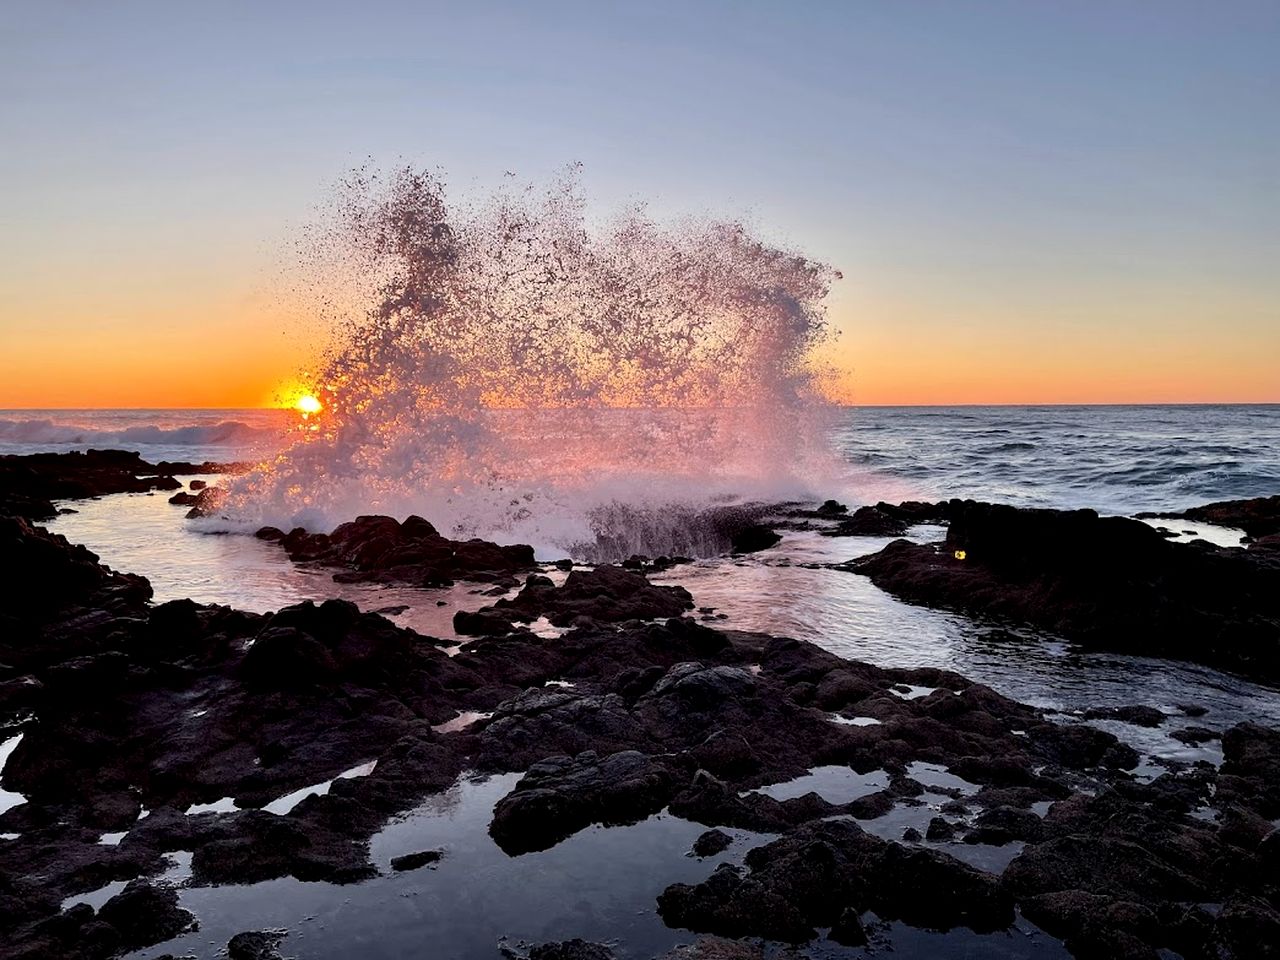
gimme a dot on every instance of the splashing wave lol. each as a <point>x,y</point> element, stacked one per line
<point>512,370</point>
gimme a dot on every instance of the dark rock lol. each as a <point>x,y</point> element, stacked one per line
<point>143,914</point>
<point>848,930</point>
<point>940,829</point>
<point>753,538</point>
<point>711,843</point>
<point>560,795</point>
<point>1194,736</point>
<point>607,594</point>
<point>413,861</point>
<point>813,875</point>
<point>1106,582</point>
<point>255,945</point>
<point>871,522</point>
<point>1136,714</point>
<point>380,549</point>
<point>30,483</point>
<point>1259,517</point>
<point>571,950</point>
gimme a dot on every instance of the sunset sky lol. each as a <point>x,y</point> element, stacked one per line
<point>1029,201</point>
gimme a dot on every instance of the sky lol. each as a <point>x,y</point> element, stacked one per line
<point>1030,202</point>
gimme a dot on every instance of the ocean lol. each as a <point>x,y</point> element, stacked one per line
<point>1116,459</point>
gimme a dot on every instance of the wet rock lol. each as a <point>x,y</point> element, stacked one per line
<point>415,861</point>
<point>607,594</point>
<point>1258,517</point>
<point>940,829</point>
<point>143,914</point>
<point>30,483</point>
<point>1138,715</point>
<point>888,520</point>
<point>753,538</point>
<point>911,835</point>
<point>383,550</point>
<point>870,522</point>
<point>711,843</point>
<point>813,875</point>
<point>848,930</point>
<point>255,945</point>
<point>571,950</point>
<point>1194,736</point>
<point>559,796</point>
<point>1107,582</point>
<point>207,503</point>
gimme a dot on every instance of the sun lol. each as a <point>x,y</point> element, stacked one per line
<point>308,404</point>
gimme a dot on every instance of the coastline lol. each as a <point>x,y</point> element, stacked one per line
<point>620,711</point>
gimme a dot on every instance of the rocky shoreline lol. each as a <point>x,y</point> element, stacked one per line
<point>134,716</point>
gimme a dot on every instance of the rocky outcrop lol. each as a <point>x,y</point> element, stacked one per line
<point>125,706</point>
<point>383,550</point>
<point>1106,582</point>
<point>1258,517</point>
<point>29,484</point>
<point>606,594</point>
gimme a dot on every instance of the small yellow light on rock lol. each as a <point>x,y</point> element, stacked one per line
<point>960,554</point>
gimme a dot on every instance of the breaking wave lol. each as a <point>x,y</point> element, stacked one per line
<point>514,370</point>
<point>42,433</point>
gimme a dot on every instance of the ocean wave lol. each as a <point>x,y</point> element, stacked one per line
<point>227,433</point>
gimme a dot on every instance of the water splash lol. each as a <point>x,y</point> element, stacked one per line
<point>511,370</point>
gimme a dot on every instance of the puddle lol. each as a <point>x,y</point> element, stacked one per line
<point>225,805</point>
<point>936,775</point>
<point>112,839</point>
<point>96,898</point>
<point>463,720</point>
<point>600,884</point>
<point>833,783</point>
<point>542,627</point>
<point>286,803</point>
<point>909,691</point>
<point>853,721</point>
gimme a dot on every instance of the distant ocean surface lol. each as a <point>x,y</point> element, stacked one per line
<point>1117,459</point>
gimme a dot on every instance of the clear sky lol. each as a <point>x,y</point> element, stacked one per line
<point>1030,201</point>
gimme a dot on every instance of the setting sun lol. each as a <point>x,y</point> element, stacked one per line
<point>308,404</point>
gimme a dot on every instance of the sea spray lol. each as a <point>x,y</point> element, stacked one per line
<point>510,370</point>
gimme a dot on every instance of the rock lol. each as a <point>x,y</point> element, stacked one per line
<point>1105,582</point>
<point>871,522</point>
<point>753,538</point>
<point>811,876</point>
<point>571,950</point>
<point>560,795</point>
<point>380,549</point>
<point>414,861</point>
<point>848,930</point>
<point>911,835</point>
<point>143,914</point>
<point>255,945</point>
<point>711,843</point>
<point>1194,736</point>
<point>940,829</point>
<point>1136,714</point>
<point>1259,517</point>
<point>607,594</point>
<point>30,483</point>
